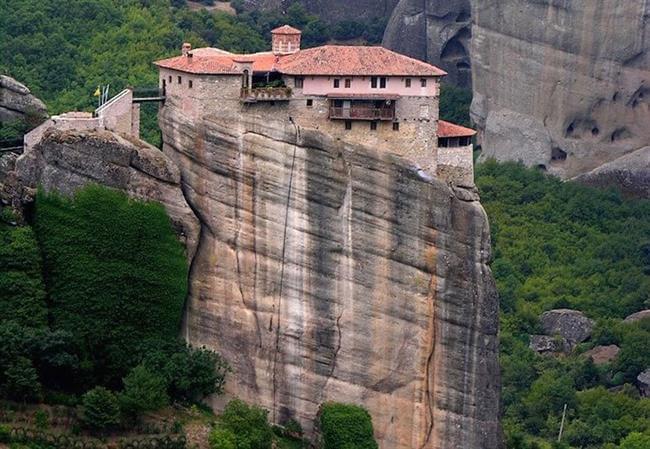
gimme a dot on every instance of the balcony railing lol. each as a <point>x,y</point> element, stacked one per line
<point>266,94</point>
<point>362,113</point>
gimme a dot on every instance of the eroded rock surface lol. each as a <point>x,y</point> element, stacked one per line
<point>334,272</point>
<point>16,101</point>
<point>638,316</point>
<point>643,381</point>
<point>436,31</point>
<point>545,344</point>
<point>563,85</point>
<point>572,325</point>
<point>601,355</point>
<point>64,161</point>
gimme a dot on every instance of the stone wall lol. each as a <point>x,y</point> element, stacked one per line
<point>456,165</point>
<point>120,114</point>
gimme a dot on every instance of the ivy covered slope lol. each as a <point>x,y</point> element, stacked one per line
<point>562,245</point>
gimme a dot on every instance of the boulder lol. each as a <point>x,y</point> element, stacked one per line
<point>643,382</point>
<point>573,325</point>
<point>552,345</point>
<point>638,316</point>
<point>16,101</point>
<point>601,355</point>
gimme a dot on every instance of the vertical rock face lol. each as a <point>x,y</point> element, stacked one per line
<point>333,272</point>
<point>436,31</point>
<point>563,85</point>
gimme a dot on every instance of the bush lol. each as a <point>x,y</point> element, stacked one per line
<point>191,373</point>
<point>346,426</point>
<point>246,425</point>
<point>21,381</point>
<point>143,391</point>
<point>5,433</point>
<point>100,410</point>
<point>221,438</point>
<point>117,276</point>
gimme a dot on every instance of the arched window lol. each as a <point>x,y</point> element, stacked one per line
<point>245,80</point>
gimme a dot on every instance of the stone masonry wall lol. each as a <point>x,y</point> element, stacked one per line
<point>457,165</point>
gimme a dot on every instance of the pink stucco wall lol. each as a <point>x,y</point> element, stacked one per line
<point>323,85</point>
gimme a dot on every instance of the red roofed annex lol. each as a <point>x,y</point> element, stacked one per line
<point>358,94</point>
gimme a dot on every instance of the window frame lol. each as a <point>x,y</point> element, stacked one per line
<point>348,125</point>
<point>395,126</point>
<point>348,83</point>
<point>373,126</point>
<point>337,83</point>
<point>373,82</point>
<point>299,82</point>
<point>423,82</point>
<point>180,79</point>
<point>383,81</point>
<point>407,82</point>
<point>310,103</point>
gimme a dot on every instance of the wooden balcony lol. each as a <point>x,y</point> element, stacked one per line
<point>265,94</point>
<point>362,113</point>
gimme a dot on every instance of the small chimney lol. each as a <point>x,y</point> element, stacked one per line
<point>186,48</point>
<point>286,40</point>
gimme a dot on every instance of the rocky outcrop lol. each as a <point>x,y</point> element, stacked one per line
<point>638,316</point>
<point>332,10</point>
<point>564,85</point>
<point>545,344</point>
<point>572,325</point>
<point>436,31</point>
<point>64,161</point>
<point>643,382</point>
<point>332,272</point>
<point>602,355</point>
<point>16,101</point>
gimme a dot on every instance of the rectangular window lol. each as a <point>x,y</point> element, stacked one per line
<point>408,82</point>
<point>395,126</point>
<point>310,103</point>
<point>373,126</point>
<point>189,84</point>
<point>348,83</point>
<point>382,83</point>
<point>423,82</point>
<point>299,82</point>
<point>180,80</point>
<point>348,124</point>
<point>373,82</point>
<point>170,79</point>
<point>442,142</point>
<point>337,83</point>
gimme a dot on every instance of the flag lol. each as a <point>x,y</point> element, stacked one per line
<point>97,92</point>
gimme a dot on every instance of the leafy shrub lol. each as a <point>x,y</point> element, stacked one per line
<point>100,410</point>
<point>190,373</point>
<point>245,425</point>
<point>41,419</point>
<point>116,274</point>
<point>346,426</point>
<point>143,391</point>
<point>5,433</point>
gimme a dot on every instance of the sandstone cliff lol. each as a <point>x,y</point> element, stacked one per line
<point>333,272</point>
<point>16,101</point>
<point>436,31</point>
<point>563,85</point>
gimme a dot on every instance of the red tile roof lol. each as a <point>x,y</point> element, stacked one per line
<point>447,129</point>
<point>219,64</point>
<point>328,60</point>
<point>286,29</point>
<point>339,60</point>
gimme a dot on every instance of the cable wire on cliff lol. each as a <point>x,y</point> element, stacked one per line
<point>284,249</point>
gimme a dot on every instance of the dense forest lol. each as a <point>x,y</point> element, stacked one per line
<point>561,245</point>
<point>556,245</point>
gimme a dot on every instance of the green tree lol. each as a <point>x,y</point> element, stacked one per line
<point>191,373</point>
<point>346,426</point>
<point>117,275</point>
<point>248,425</point>
<point>143,391</point>
<point>100,410</point>
<point>21,381</point>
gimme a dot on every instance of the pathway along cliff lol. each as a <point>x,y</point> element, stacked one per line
<point>323,271</point>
